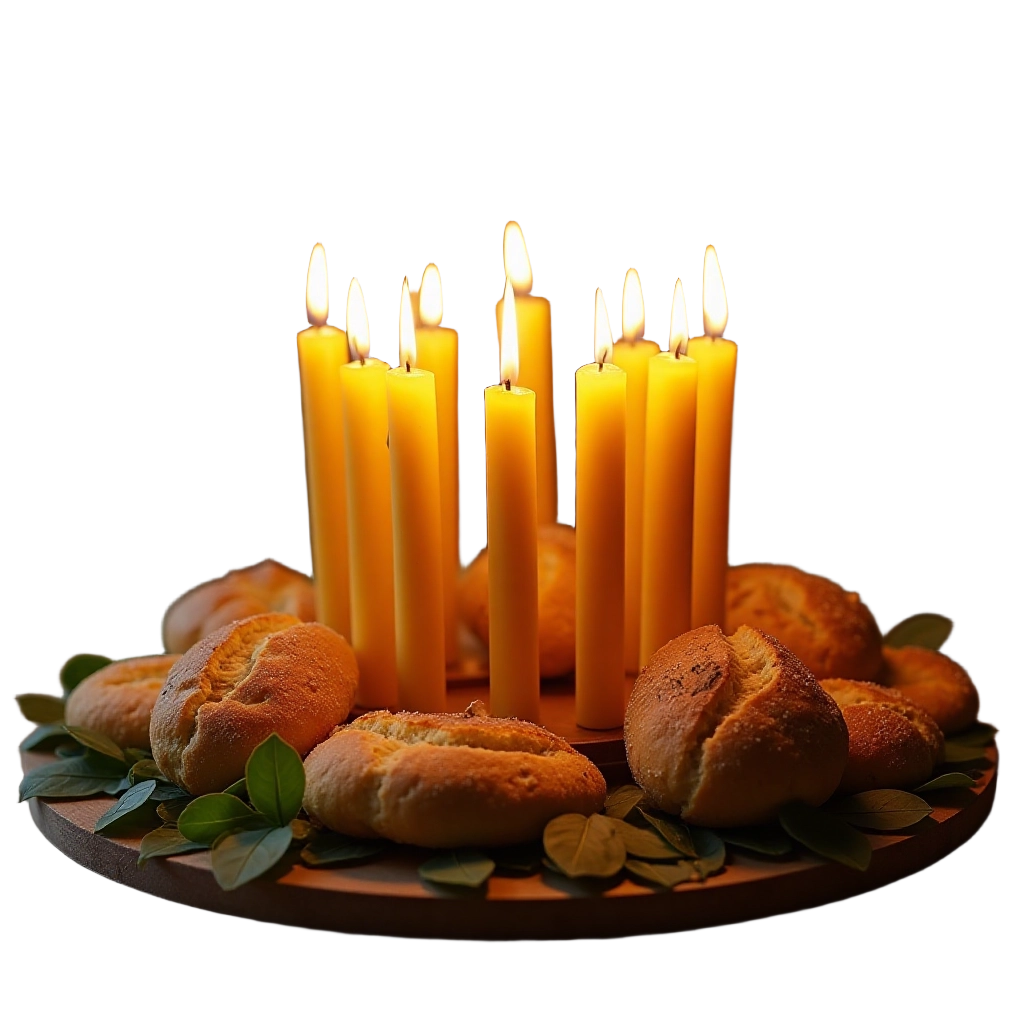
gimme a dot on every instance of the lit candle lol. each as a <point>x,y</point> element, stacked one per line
<point>365,409</point>
<point>322,351</point>
<point>437,350</point>
<point>416,519</point>
<point>716,382</point>
<point>668,489</point>
<point>600,532</point>
<point>533,319</point>
<point>511,437</point>
<point>632,352</point>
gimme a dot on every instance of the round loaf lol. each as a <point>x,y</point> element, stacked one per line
<point>725,730</point>
<point>447,780</point>
<point>894,743</point>
<point>937,683</point>
<point>829,629</point>
<point>265,587</point>
<point>249,679</point>
<point>118,699</point>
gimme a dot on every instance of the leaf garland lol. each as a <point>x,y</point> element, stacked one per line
<point>926,629</point>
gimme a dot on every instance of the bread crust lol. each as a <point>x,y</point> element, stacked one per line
<point>934,681</point>
<point>118,699</point>
<point>828,628</point>
<point>447,781</point>
<point>726,730</point>
<point>229,692</point>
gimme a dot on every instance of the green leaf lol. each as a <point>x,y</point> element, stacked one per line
<point>520,859</point>
<point>331,848</point>
<point>41,708</point>
<point>115,786</point>
<point>673,831</point>
<point>925,629</point>
<point>72,749</point>
<point>767,839</point>
<point>134,754</point>
<point>826,835</point>
<point>276,780</point>
<point>73,776</point>
<point>644,843</point>
<point>951,780</point>
<point>208,817</point>
<point>169,810</point>
<point>132,801</point>
<point>710,851</point>
<point>168,791</point>
<point>959,753</point>
<point>79,667</point>
<point>165,841</point>
<point>468,868</point>
<point>44,737</point>
<point>239,857</point>
<point>581,846</point>
<point>238,789</point>
<point>621,800</point>
<point>666,876</point>
<point>981,734</point>
<point>302,830</point>
<point>96,741</point>
<point>882,809</point>
<point>141,770</point>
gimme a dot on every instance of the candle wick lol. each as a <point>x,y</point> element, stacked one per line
<point>408,366</point>
<point>600,366</point>
<point>362,361</point>
<point>508,384</point>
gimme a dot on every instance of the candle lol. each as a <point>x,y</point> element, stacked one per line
<point>632,352</point>
<point>368,477</point>
<point>716,382</point>
<point>416,520</point>
<point>600,532</point>
<point>668,489</point>
<point>322,351</point>
<point>511,437</point>
<point>437,350</point>
<point>533,320</point>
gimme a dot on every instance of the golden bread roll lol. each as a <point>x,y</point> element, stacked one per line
<point>894,743</point>
<point>725,730</point>
<point>829,629</point>
<point>118,699</point>
<point>941,686</point>
<point>265,674</point>
<point>265,587</point>
<point>447,780</point>
<point>556,598</point>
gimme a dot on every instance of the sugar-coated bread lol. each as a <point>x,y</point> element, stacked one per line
<point>894,743</point>
<point>118,699</point>
<point>829,629</point>
<point>447,780</point>
<point>265,587</point>
<point>929,678</point>
<point>228,693</point>
<point>556,598</point>
<point>726,730</point>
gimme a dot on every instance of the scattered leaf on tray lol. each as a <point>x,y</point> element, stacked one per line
<point>165,841</point>
<point>67,777</point>
<point>239,857</point>
<point>275,780</point>
<point>926,629</point>
<point>664,875</point>
<point>951,780</point>
<point>96,741</point>
<point>41,708</point>
<point>710,851</point>
<point>210,816</point>
<point>332,848</point>
<point>769,840</point>
<point>673,831</point>
<point>644,843</point>
<point>882,809</point>
<point>621,800</point>
<point>467,868</point>
<point>580,846</point>
<point>131,802</point>
<point>79,667</point>
<point>826,835</point>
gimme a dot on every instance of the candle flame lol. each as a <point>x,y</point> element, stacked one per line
<point>431,303</point>
<point>602,330</point>
<point>517,259</point>
<point>509,344</point>
<point>716,306</point>
<point>357,324</point>
<point>678,336</point>
<point>406,330</point>
<point>316,287</point>
<point>632,307</point>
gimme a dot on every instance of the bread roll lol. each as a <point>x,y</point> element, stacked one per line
<point>725,730</point>
<point>447,780</point>
<point>937,683</point>
<point>118,699</point>
<point>249,679</point>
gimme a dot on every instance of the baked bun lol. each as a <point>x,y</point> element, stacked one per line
<point>829,629</point>
<point>556,598</point>
<point>227,694</point>
<point>936,682</point>
<point>725,730</point>
<point>118,699</point>
<point>447,780</point>
<point>268,586</point>
<point>894,743</point>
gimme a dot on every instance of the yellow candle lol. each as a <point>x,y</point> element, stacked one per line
<point>322,351</point>
<point>533,321</point>
<point>716,382</point>
<point>416,519</point>
<point>632,352</point>
<point>510,431</point>
<point>371,563</point>
<point>437,350</point>
<point>600,532</point>
<point>668,489</point>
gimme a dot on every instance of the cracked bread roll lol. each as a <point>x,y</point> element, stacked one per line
<point>726,730</point>
<point>249,679</point>
<point>118,699</point>
<point>894,743</point>
<point>936,682</point>
<point>444,780</point>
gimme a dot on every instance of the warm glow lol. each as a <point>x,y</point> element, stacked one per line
<point>678,335</point>
<point>316,287</point>
<point>632,307</point>
<point>509,354</point>
<point>357,326</point>
<point>602,330</point>
<point>716,306</point>
<point>431,304</point>
<point>406,330</point>
<point>517,259</point>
